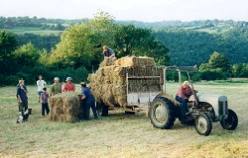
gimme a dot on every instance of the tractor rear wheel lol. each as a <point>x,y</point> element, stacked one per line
<point>231,122</point>
<point>203,124</point>
<point>162,113</point>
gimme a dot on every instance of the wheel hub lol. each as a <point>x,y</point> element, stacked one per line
<point>202,124</point>
<point>161,113</point>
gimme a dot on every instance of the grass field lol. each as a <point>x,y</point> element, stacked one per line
<point>34,30</point>
<point>121,135</point>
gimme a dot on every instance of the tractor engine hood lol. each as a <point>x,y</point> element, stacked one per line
<point>212,99</point>
<point>209,98</point>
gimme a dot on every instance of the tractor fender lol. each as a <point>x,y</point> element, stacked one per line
<point>168,98</point>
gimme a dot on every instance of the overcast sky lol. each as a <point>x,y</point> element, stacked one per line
<point>143,10</point>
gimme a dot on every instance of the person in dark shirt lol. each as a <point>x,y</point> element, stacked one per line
<point>22,100</point>
<point>44,102</point>
<point>89,101</point>
<point>108,52</point>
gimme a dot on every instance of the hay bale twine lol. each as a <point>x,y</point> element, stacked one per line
<point>65,107</point>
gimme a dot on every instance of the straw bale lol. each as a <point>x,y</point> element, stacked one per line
<point>65,107</point>
<point>108,83</point>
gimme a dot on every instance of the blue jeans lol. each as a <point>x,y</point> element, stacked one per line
<point>87,105</point>
<point>183,106</point>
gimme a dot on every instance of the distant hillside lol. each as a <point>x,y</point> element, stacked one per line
<point>189,42</point>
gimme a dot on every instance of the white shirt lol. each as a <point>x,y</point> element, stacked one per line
<point>40,85</point>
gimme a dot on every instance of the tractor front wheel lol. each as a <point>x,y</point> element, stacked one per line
<point>231,122</point>
<point>203,124</point>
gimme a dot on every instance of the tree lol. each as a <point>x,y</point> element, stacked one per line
<point>130,40</point>
<point>218,67</point>
<point>218,60</point>
<point>78,45</point>
<point>27,55</point>
<point>7,46</point>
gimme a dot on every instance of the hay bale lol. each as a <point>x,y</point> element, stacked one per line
<point>133,61</point>
<point>108,83</point>
<point>65,107</point>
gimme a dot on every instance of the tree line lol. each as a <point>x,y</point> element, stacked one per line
<point>78,52</point>
<point>189,43</point>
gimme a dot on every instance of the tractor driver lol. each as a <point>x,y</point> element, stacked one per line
<point>183,94</point>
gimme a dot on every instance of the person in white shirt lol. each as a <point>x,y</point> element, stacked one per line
<point>40,85</point>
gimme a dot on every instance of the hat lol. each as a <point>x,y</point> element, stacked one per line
<point>68,79</point>
<point>56,79</point>
<point>186,83</point>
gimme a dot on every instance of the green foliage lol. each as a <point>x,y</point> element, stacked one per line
<point>7,44</point>
<point>213,75</point>
<point>130,40</point>
<point>78,50</point>
<point>240,70</point>
<point>39,41</point>
<point>218,60</point>
<point>81,44</point>
<point>26,55</point>
<point>218,67</point>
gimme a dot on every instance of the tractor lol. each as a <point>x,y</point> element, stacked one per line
<point>203,109</point>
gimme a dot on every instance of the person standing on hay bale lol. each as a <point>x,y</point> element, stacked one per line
<point>69,86</point>
<point>88,101</point>
<point>22,100</point>
<point>108,52</point>
<point>44,102</point>
<point>56,87</point>
<point>40,85</point>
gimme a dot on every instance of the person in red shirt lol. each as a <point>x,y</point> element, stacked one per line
<point>183,94</point>
<point>68,86</point>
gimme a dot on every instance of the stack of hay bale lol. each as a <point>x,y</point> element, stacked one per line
<point>108,83</point>
<point>65,107</point>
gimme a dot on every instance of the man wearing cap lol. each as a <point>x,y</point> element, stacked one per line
<point>69,86</point>
<point>183,94</point>
<point>89,101</point>
<point>56,87</point>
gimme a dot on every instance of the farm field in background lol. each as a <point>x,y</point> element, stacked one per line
<point>34,30</point>
<point>120,135</point>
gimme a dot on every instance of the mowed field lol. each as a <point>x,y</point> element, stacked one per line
<point>120,135</point>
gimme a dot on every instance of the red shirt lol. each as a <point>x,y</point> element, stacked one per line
<point>184,92</point>
<point>69,87</point>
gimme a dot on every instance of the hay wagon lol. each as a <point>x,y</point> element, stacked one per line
<point>131,83</point>
<point>140,86</point>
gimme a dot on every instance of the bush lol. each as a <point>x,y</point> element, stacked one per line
<point>213,75</point>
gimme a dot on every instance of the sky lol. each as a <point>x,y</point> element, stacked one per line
<point>140,10</point>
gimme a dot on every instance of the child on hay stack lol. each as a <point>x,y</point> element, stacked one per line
<point>44,102</point>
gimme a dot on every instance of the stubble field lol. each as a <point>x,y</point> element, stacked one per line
<point>120,135</point>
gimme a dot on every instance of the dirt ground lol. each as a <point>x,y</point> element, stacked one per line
<point>120,135</point>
